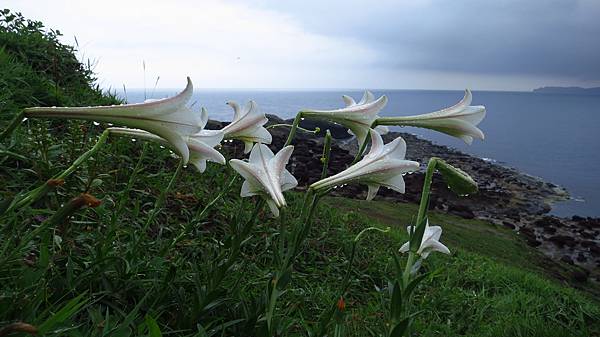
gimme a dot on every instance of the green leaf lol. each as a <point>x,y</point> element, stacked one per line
<point>414,283</point>
<point>4,204</point>
<point>70,309</point>
<point>284,279</point>
<point>417,236</point>
<point>458,180</point>
<point>399,329</point>
<point>153,329</point>
<point>396,302</point>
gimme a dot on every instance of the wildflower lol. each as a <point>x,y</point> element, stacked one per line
<point>201,145</point>
<point>384,165</point>
<point>460,120</point>
<point>168,118</point>
<point>429,243</point>
<point>358,117</point>
<point>341,304</point>
<point>247,125</point>
<point>55,182</point>
<point>266,175</point>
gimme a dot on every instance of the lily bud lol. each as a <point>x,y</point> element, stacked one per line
<point>458,180</point>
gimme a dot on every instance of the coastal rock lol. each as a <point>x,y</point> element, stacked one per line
<point>506,196</point>
<point>562,240</point>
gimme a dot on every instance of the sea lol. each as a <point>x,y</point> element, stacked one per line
<point>552,136</point>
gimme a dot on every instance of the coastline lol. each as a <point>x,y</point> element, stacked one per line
<point>506,197</point>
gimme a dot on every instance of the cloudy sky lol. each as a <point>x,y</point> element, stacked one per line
<point>426,44</point>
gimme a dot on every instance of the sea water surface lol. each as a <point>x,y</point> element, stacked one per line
<point>552,136</point>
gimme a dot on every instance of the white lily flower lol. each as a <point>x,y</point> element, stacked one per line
<point>460,120</point>
<point>429,243</point>
<point>169,118</point>
<point>384,165</point>
<point>266,175</point>
<point>358,117</point>
<point>200,145</point>
<point>247,125</point>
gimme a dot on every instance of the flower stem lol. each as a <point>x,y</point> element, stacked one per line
<point>39,192</point>
<point>282,233</point>
<point>409,263</point>
<point>326,154</point>
<point>163,195</point>
<point>424,204</point>
<point>391,121</point>
<point>221,269</point>
<point>157,206</point>
<point>297,238</point>
<point>123,197</point>
<point>293,129</point>
<point>360,152</point>
<point>290,125</point>
<point>200,215</point>
<point>13,125</point>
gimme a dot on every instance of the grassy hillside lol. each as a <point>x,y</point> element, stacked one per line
<point>113,270</point>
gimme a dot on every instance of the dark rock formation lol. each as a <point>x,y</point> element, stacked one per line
<point>506,196</point>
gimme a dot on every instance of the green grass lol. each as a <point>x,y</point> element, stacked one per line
<point>491,285</point>
<point>110,271</point>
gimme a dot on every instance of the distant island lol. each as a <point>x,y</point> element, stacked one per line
<point>568,90</point>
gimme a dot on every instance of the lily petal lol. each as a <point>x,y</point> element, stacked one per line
<point>266,175</point>
<point>357,117</point>
<point>247,125</point>
<point>167,118</point>
<point>459,120</point>
<point>372,192</point>
<point>200,146</point>
<point>384,165</point>
<point>429,243</point>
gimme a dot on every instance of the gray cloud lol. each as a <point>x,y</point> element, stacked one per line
<point>556,38</point>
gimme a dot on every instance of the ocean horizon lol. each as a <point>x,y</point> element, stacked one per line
<point>550,136</point>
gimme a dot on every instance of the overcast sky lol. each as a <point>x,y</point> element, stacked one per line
<point>429,44</point>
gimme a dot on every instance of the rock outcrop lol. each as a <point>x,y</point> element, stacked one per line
<point>506,196</point>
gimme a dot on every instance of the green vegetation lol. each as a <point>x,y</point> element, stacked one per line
<point>121,269</point>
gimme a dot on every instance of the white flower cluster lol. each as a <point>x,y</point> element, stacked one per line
<point>171,122</point>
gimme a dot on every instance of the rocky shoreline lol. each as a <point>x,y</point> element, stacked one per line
<point>506,196</point>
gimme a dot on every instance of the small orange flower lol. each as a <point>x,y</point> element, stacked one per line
<point>90,200</point>
<point>341,304</point>
<point>18,327</point>
<point>55,182</point>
